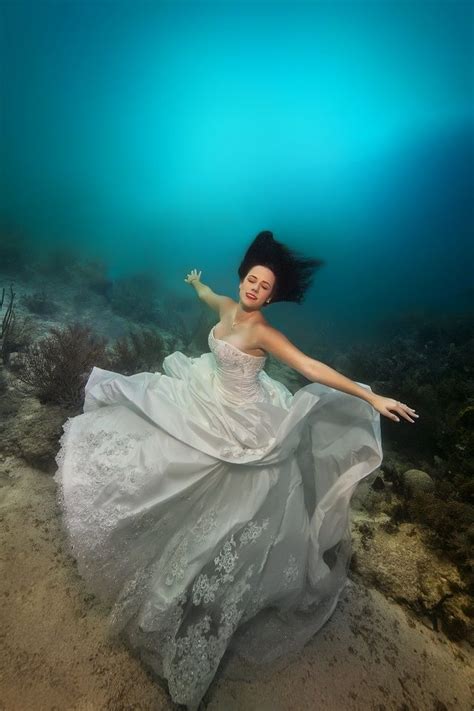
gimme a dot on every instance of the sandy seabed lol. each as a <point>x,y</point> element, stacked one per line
<point>371,655</point>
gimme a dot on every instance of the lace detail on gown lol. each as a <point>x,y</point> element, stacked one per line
<point>103,461</point>
<point>291,571</point>
<point>191,659</point>
<point>196,554</point>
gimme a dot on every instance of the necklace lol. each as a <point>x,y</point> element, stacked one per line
<point>236,323</point>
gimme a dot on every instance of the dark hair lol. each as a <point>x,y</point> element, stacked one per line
<point>293,272</point>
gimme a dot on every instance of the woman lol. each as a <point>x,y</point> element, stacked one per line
<point>210,507</point>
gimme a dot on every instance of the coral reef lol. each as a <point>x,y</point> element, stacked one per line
<point>440,503</point>
<point>415,546</point>
<point>31,430</point>
<point>400,564</point>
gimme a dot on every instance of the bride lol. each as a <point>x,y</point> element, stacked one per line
<point>207,505</point>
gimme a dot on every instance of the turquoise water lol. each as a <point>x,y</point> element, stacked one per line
<point>141,140</point>
<point>165,135</point>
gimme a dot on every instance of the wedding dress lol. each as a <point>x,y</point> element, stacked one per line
<point>210,509</point>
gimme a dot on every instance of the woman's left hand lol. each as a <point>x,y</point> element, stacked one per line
<point>385,405</point>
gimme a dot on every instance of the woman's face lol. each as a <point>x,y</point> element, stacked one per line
<point>257,287</point>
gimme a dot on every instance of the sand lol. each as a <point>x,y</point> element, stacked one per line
<point>371,654</point>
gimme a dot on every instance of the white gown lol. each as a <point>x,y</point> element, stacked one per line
<point>210,508</point>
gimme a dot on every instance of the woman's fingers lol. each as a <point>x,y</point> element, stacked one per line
<point>409,411</point>
<point>392,416</point>
<point>192,275</point>
<point>405,411</point>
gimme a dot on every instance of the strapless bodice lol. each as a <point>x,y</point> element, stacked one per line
<point>237,373</point>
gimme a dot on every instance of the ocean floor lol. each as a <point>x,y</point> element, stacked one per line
<point>371,655</point>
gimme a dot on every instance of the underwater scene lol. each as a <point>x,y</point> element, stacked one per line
<point>237,355</point>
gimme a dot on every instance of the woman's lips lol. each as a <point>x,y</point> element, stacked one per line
<point>251,296</point>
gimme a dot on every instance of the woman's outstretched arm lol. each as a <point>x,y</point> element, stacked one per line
<point>274,342</point>
<point>215,301</point>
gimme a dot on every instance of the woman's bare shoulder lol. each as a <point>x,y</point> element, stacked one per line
<point>275,342</point>
<point>263,326</point>
<point>260,328</point>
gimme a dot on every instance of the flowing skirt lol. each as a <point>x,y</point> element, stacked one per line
<point>212,531</point>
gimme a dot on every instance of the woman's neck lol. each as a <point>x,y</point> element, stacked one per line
<point>241,314</point>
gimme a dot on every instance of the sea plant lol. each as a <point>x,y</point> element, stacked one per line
<point>142,349</point>
<point>57,366</point>
<point>7,320</point>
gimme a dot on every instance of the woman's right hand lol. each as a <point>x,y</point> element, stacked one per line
<point>193,276</point>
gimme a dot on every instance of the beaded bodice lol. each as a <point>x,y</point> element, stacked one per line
<point>237,372</point>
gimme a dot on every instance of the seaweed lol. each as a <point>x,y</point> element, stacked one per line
<point>142,349</point>
<point>57,366</point>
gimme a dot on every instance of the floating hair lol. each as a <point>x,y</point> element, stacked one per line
<point>294,273</point>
